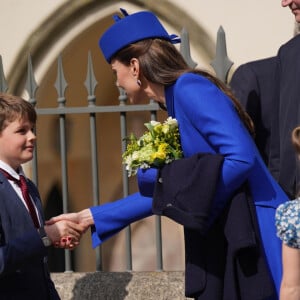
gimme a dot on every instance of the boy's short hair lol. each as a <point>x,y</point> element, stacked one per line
<point>13,108</point>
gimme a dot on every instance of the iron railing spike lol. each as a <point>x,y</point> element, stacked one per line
<point>221,63</point>
<point>90,82</point>
<point>31,85</point>
<point>185,48</point>
<point>61,83</point>
<point>3,83</point>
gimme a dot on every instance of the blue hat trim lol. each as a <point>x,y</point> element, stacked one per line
<point>131,29</point>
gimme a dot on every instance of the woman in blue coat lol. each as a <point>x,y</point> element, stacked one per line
<point>147,64</point>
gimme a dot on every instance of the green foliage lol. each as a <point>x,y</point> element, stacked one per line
<point>158,146</point>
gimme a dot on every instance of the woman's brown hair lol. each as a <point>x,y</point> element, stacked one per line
<point>296,139</point>
<point>162,63</point>
<point>296,143</point>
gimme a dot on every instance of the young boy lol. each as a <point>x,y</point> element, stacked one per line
<point>23,237</point>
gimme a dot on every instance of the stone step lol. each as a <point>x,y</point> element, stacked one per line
<point>120,285</point>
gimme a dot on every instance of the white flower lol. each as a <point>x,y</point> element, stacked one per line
<point>158,146</point>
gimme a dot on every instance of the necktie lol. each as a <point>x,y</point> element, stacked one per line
<point>24,188</point>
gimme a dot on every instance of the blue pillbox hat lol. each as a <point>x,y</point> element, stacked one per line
<point>130,29</point>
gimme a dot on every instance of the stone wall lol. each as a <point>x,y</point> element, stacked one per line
<point>120,285</point>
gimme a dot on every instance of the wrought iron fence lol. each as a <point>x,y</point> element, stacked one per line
<point>221,64</point>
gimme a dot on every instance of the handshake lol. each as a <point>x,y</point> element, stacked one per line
<point>65,230</point>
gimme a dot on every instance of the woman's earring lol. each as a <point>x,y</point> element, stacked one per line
<point>139,82</point>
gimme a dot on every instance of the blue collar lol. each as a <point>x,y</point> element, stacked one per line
<point>169,92</point>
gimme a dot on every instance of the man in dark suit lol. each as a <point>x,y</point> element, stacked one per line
<point>268,90</point>
<point>253,84</point>
<point>289,113</point>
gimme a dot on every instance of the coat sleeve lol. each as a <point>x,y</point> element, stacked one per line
<point>112,217</point>
<point>213,121</point>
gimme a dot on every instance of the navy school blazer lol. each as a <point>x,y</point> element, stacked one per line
<point>24,273</point>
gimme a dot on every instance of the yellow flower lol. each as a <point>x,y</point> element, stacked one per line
<point>158,146</point>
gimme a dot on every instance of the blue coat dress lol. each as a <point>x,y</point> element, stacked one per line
<point>208,122</point>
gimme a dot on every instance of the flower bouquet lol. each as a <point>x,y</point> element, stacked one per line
<point>158,146</point>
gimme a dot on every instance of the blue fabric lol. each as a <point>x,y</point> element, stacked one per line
<point>209,119</point>
<point>208,122</point>
<point>272,244</point>
<point>111,217</point>
<point>146,181</point>
<point>130,29</point>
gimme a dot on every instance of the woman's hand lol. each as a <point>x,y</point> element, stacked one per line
<point>65,230</point>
